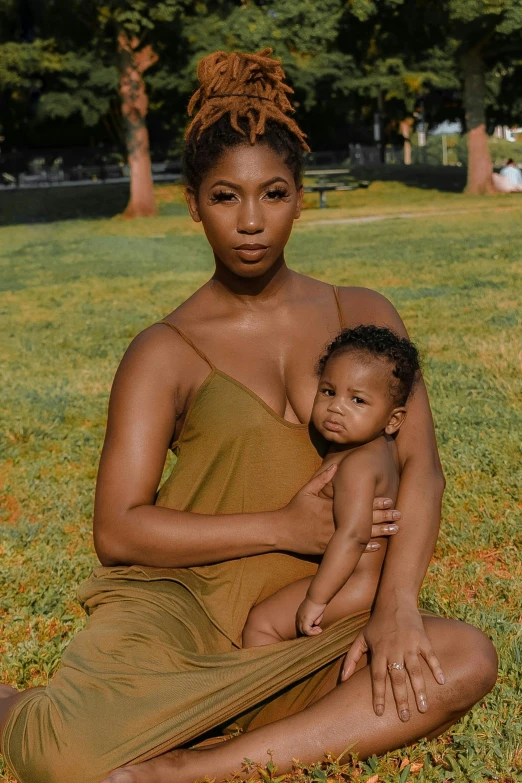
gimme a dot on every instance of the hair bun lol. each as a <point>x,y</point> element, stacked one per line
<point>248,86</point>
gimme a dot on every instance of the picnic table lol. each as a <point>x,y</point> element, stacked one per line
<point>323,186</point>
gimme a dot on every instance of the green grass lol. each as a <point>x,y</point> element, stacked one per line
<point>75,293</point>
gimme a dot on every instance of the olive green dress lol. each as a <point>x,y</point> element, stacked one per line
<point>159,663</point>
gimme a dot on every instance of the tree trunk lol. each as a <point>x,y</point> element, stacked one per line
<point>132,63</point>
<point>405,128</point>
<point>480,166</point>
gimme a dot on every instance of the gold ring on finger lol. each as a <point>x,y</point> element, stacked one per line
<point>397,666</point>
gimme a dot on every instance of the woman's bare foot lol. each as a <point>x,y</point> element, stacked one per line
<point>168,768</point>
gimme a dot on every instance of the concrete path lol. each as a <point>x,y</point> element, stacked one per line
<point>392,215</point>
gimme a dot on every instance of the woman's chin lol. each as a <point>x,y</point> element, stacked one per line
<point>251,269</point>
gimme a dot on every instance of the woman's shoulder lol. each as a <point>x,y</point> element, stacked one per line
<point>366,306</point>
<point>159,350</point>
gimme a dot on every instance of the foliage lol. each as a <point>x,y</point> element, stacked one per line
<point>74,295</point>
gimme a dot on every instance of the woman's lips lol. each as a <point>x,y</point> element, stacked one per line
<point>251,252</point>
<point>332,426</point>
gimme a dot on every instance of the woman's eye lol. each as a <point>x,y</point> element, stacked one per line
<point>276,193</point>
<point>223,195</point>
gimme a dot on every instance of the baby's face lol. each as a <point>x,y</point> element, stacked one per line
<point>353,404</point>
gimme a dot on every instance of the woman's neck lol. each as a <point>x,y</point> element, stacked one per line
<point>243,289</point>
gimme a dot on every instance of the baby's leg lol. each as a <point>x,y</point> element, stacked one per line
<point>357,595</point>
<point>273,620</point>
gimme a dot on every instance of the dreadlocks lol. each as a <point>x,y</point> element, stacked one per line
<point>241,97</point>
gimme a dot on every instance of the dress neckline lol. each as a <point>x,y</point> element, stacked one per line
<point>214,371</point>
<point>259,400</point>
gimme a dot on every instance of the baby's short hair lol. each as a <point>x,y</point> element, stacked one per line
<point>382,343</point>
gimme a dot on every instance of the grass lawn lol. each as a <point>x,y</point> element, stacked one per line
<point>74,294</point>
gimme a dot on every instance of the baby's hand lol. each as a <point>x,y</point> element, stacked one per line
<point>308,617</point>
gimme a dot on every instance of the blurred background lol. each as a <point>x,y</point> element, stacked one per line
<point>378,83</point>
<point>413,108</point>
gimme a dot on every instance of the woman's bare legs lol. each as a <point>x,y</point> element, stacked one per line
<point>344,717</point>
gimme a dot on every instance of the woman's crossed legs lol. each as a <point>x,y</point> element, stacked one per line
<point>342,716</point>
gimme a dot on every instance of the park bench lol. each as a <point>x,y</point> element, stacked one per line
<point>325,184</point>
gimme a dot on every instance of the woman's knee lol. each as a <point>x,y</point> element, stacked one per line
<point>472,660</point>
<point>40,745</point>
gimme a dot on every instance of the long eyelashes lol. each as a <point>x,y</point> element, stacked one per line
<point>222,195</point>
<point>274,194</point>
<point>278,192</point>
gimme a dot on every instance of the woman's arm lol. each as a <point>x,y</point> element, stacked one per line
<point>149,395</point>
<point>395,633</point>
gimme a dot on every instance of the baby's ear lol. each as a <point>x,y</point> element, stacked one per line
<point>395,421</point>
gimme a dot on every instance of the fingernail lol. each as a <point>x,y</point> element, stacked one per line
<point>379,709</point>
<point>423,703</point>
<point>391,528</point>
<point>396,515</point>
<point>441,678</point>
<point>373,547</point>
<point>405,715</point>
<point>387,503</point>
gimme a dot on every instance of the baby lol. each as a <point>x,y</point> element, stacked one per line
<point>365,379</point>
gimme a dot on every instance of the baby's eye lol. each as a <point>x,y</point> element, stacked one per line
<point>359,400</point>
<point>328,392</point>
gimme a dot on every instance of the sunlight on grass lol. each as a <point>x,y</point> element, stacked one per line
<point>75,293</point>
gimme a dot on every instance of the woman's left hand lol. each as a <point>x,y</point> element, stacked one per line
<point>395,637</point>
<point>385,522</point>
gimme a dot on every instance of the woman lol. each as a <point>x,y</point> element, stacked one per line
<point>227,380</point>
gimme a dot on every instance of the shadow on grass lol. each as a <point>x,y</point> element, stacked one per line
<point>45,205</point>
<point>449,179</point>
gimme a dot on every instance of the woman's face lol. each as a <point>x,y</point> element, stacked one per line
<point>247,204</point>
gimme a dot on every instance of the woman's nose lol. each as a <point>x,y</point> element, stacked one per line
<point>250,217</point>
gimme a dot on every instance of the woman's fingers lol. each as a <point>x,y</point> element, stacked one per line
<point>433,662</point>
<point>384,529</point>
<point>317,483</point>
<point>378,674</point>
<point>388,515</point>
<point>353,656</point>
<point>400,692</point>
<point>382,503</point>
<point>418,683</point>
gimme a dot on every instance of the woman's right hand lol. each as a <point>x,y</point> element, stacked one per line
<point>307,522</point>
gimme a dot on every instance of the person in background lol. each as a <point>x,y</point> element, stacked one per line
<point>509,178</point>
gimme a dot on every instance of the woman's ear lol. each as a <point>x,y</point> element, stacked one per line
<point>192,204</point>
<point>395,421</point>
<point>298,206</point>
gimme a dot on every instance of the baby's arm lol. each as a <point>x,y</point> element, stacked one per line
<point>354,491</point>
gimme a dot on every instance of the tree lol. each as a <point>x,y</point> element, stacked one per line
<point>472,44</point>
<point>489,33</point>
<point>83,53</point>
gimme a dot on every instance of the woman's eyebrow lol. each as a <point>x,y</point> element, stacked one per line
<point>237,187</point>
<point>274,179</point>
<point>225,182</point>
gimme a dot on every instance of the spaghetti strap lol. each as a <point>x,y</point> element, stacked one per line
<point>189,342</point>
<point>338,303</point>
